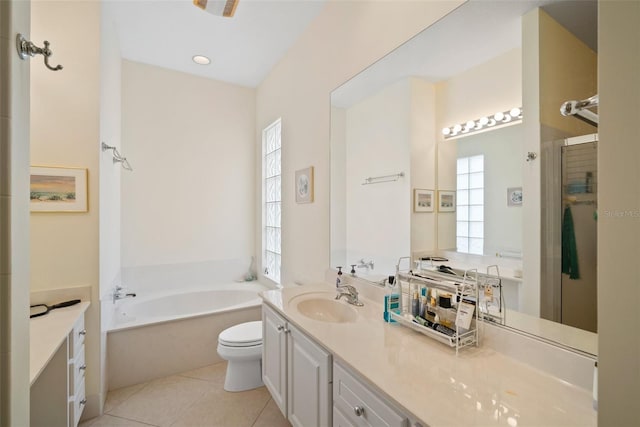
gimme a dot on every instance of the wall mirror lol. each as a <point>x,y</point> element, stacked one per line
<point>401,187</point>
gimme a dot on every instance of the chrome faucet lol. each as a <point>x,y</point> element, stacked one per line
<point>119,294</point>
<point>350,293</point>
<point>363,264</point>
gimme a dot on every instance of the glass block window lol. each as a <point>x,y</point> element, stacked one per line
<point>470,205</point>
<point>272,206</point>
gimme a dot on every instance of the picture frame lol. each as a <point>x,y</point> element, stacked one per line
<point>304,185</point>
<point>423,200</point>
<point>58,189</point>
<point>514,196</point>
<point>446,201</point>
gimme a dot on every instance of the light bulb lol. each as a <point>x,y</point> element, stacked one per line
<point>446,131</point>
<point>492,122</point>
<point>201,60</point>
<point>471,124</point>
<point>515,112</point>
<point>507,118</point>
<point>457,128</point>
<point>483,121</point>
<point>498,116</point>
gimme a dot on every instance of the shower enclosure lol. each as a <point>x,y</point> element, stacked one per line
<point>569,238</point>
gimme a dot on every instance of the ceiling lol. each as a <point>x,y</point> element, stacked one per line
<point>242,49</point>
<point>470,35</point>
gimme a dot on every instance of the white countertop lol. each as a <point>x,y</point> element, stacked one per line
<point>47,333</point>
<point>480,387</point>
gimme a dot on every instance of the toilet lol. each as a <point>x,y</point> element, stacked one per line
<point>241,346</point>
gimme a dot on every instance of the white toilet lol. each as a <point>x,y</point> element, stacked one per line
<point>241,346</point>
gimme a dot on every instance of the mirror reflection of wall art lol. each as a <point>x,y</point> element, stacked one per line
<point>446,201</point>
<point>514,196</point>
<point>304,185</point>
<point>56,189</point>
<point>423,200</point>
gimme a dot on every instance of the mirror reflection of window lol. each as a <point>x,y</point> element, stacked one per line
<point>470,206</point>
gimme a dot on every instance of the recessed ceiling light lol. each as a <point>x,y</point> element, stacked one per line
<point>202,60</point>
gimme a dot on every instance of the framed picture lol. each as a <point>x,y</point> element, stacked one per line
<point>514,196</point>
<point>446,201</point>
<point>423,200</point>
<point>304,185</point>
<point>56,189</point>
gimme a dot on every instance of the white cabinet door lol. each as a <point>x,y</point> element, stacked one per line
<point>309,381</point>
<point>274,356</point>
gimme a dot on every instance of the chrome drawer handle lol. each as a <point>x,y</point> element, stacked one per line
<point>359,410</point>
<point>83,402</point>
<point>82,368</point>
<point>280,328</point>
<point>83,332</point>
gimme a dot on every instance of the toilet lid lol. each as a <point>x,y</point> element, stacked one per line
<point>242,335</point>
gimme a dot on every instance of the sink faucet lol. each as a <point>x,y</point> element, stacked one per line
<point>350,293</point>
<point>367,265</point>
<point>118,294</point>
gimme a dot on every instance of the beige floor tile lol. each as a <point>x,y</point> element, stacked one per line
<point>162,401</point>
<point>116,397</point>
<point>108,421</point>
<point>219,408</point>
<point>271,417</point>
<point>212,373</point>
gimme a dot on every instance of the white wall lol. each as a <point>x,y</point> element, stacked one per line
<point>65,131</point>
<point>378,144</point>
<point>618,232</point>
<point>344,39</point>
<point>110,133</point>
<point>14,217</point>
<point>190,141</point>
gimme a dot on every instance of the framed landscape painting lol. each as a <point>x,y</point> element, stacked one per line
<point>57,189</point>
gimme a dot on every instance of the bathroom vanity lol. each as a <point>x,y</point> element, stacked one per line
<point>382,373</point>
<point>57,367</point>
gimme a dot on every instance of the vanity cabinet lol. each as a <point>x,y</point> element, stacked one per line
<point>297,372</point>
<point>57,365</point>
<point>355,404</point>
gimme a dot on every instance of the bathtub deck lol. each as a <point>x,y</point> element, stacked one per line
<point>192,398</point>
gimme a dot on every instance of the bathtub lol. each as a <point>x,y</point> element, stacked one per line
<point>160,333</point>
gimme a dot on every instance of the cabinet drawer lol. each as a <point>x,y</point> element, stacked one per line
<point>359,405</point>
<point>76,338</point>
<point>77,368</point>
<point>76,406</point>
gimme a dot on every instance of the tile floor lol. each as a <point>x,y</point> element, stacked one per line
<point>190,399</point>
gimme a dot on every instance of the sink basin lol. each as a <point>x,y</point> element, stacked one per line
<point>327,310</point>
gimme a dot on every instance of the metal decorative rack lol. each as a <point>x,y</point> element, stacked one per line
<point>463,288</point>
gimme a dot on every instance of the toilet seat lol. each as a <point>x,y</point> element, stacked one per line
<point>243,335</point>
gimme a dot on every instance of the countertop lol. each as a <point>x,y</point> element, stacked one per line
<point>47,333</point>
<point>479,387</point>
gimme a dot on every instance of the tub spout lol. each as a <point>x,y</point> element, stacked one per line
<point>118,294</point>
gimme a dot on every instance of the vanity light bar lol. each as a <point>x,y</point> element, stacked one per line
<point>498,119</point>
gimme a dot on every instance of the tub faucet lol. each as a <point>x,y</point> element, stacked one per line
<point>119,294</point>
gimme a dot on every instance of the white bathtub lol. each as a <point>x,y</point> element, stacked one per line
<point>165,306</point>
<point>162,333</point>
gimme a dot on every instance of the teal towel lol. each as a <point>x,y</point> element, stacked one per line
<point>569,247</point>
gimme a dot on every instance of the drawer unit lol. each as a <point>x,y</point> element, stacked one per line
<point>357,405</point>
<point>77,368</point>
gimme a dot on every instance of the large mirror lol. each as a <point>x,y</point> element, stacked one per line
<point>412,176</point>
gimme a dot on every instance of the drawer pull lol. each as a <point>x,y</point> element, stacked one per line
<point>82,368</point>
<point>359,410</point>
<point>83,332</point>
<point>280,328</point>
<point>83,402</point>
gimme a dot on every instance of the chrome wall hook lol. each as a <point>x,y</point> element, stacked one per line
<point>27,48</point>
<point>117,157</point>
